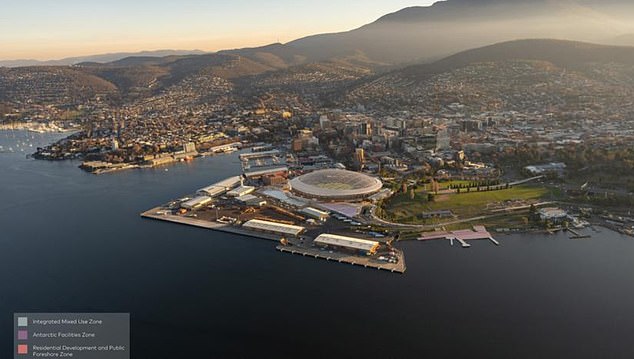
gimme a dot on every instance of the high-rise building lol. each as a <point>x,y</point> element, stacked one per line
<point>297,145</point>
<point>366,129</point>
<point>189,147</point>
<point>442,140</point>
<point>324,122</point>
<point>359,154</point>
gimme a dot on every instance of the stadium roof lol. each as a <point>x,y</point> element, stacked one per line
<point>336,184</point>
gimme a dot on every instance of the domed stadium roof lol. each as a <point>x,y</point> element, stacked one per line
<point>335,184</point>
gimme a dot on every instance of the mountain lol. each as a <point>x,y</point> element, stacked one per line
<point>329,64</point>
<point>102,58</point>
<point>425,33</point>
<point>51,84</point>
<point>562,53</point>
<point>522,75</point>
<point>621,40</point>
<point>135,73</point>
<point>421,34</point>
<point>274,55</point>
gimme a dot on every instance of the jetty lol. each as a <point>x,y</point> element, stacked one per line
<point>339,257</point>
<point>462,236</point>
<point>577,235</point>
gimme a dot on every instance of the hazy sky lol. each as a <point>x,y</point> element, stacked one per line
<point>46,29</point>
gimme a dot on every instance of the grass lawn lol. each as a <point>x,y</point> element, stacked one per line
<point>464,205</point>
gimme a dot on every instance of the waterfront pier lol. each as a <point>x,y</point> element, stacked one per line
<point>367,262</point>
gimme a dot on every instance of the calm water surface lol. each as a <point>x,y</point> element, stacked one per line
<point>74,242</point>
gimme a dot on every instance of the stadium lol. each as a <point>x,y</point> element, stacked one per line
<point>335,185</point>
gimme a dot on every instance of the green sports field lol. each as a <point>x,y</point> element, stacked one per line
<point>464,205</point>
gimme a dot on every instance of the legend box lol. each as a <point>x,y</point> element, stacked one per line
<point>72,335</point>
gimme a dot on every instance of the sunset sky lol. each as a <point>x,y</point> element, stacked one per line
<point>44,29</point>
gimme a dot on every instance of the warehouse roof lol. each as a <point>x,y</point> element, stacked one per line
<point>348,242</point>
<point>266,171</point>
<point>247,156</point>
<point>314,212</point>
<point>241,191</point>
<point>196,202</point>
<point>221,187</point>
<point>267,226</point>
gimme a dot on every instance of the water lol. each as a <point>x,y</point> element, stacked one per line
<point>74,242</point>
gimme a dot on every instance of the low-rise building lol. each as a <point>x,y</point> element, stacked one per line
<point>274,227</point>
<point>240,191</point>
<point>553,215</point>
<point>196,202</point>
<point>260,173</point>
<point>356,245</point>
<point>315,213</point>
<point>251,200</point>
<point>221,187</point>
<point>536,170</point>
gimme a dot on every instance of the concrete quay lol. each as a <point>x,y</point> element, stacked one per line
<point>153,214</point>
<point>304,249</point>
<point>366,262</point>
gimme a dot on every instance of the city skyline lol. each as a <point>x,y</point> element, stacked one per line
<point>41,31</point>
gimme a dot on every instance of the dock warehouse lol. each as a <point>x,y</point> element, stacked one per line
<point>255,155</point>
<point>315,213</point>
<point>240,191</point>
<point>347,243</point>
<point>196,202</point>
<point>251,200</point>
<point>273,227</point>
<point>221,187</point>
<point>259,173</point>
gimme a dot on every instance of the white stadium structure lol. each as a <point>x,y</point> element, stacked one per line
<point>335,185</point>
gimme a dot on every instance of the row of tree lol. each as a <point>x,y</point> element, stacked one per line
<point>475,184</point>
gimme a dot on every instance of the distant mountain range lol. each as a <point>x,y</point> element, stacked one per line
<point>425,33</point>
<point>622,40</point>
<point>102,58</point>
<point>400,49</point>
<point>428,33</point>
